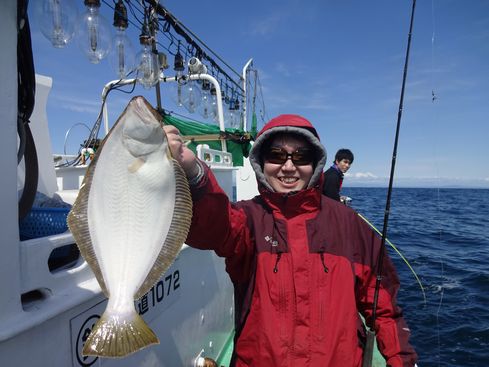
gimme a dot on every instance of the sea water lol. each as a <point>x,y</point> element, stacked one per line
<point>444,234</point>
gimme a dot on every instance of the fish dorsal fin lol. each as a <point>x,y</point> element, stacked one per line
<point>78,223</point>
<point>177,233</point>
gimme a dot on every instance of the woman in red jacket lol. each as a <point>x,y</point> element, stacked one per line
<point>302,265</point>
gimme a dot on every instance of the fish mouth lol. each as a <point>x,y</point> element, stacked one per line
<point>142,132</point>
<point>145,112</point>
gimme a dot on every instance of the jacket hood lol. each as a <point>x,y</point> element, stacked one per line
<point>294,125</point>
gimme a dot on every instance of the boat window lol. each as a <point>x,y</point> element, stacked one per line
<point>63,258</point>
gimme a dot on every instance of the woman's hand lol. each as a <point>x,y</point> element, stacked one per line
<point>180,152</point>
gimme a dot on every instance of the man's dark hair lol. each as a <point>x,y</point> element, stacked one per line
<point>343,154</point>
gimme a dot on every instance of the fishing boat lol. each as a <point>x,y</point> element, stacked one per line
<point>49,297</point>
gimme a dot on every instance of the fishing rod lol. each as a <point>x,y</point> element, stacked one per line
<point>368,351</point>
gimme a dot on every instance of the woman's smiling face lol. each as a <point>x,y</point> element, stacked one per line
<point>286,177</point>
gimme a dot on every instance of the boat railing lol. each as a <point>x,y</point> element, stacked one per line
<point>170,79</point>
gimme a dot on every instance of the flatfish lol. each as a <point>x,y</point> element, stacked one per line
<point>130,219</point>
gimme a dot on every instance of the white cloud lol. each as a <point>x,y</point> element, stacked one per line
<point>361,175</point>
<point>269,25</point>
<point>81,109</point>
<point>281,16</point>
<point>370,180</point>
<point>317,103</point>
<point>283,69</point>
<point>78,104</point>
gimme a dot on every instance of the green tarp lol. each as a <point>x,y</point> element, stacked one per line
<point>237,141</point>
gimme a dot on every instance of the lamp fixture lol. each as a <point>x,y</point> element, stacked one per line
<point>191,96</point>
<point>57,20</point>
<point>179,67</point>
<point>205,108</point>
<point>147,61</point>
<point>93,32</point>
<point>121,57</point>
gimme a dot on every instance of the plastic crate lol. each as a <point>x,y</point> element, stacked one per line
<point>41,222</point>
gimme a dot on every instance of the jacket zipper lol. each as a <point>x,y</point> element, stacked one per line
<point>321,254</point>
<point>279,255</point>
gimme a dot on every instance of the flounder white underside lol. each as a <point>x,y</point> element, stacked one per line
<point>129,212</point>
<point>131,216</point>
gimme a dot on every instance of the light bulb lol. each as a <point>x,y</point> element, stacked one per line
<point>57,20</point>
<point>233,114</point>
<point>178,66</point>
<point>214,111</point>
<point>177,89</point>
<point>223,104</point>
<point>238,115</point>
<point>205,103</point>
<point>93,32</point>
<point>148,67</point>
<point>191,96</point>
<point>205,106</point>
<point>179,94</point>
<point>230,118</point>
<point>121,57</point>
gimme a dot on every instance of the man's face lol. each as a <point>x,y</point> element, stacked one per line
<point>286,177</point>
<point>343,165</point>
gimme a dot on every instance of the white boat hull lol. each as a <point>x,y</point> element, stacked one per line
<point>190,309</point>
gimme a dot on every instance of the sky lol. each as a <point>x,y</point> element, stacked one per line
<point>337,63</point>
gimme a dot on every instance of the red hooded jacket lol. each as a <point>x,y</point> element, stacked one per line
<point>302,268</point>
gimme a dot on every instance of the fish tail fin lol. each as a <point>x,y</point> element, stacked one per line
<point>115,336</point>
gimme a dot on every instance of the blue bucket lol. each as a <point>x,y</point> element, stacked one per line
<point>42,222</point>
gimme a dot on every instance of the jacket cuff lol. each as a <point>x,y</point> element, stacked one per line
<point>194,181</point>
<point>199,184</point>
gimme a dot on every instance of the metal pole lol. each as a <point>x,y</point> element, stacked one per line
<point>245,97</point>
<point>155,54</point>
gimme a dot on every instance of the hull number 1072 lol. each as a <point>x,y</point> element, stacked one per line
<point>164,288</point>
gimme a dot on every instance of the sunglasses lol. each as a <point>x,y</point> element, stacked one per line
<point>301,157</point>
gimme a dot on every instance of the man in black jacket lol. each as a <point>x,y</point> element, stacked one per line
<point>333,177</point>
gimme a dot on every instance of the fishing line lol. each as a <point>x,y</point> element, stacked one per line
<point>435,147</point>
<point>438,312</point>
<point>433,94</point>
<point>400,255</point>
